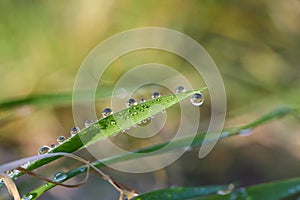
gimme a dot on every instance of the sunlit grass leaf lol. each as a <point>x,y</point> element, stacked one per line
<point>115,123</point>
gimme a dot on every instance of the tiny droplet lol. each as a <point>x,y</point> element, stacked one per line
<point>43,150</point>
<point>106,112</point>
<point>131,102</point>
<point>197,99</point>
<point>142,100</point>
<point>27,196</point>
<point>226,191</point>
<point>155,95</point>
<point>74,130</point>
<point>179,89</point>
<point>61,139</point>
<point>52,146</point>
<point>88,122</point>
<point>245,132</point>
<point>10,173</point>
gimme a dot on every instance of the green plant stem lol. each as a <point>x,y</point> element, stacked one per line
<point>179,143</point>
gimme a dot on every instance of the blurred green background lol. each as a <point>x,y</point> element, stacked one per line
<point>255,44</point>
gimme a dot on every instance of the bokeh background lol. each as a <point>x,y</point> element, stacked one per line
<point>255,44</point>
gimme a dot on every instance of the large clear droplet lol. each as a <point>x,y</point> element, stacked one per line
<point>61,139</point>
<point>131,102</point>
<point>74,130</point>
<point>43,150</point>
<point>106,112</point>
<point>155,95</point>
<point>179,89</point>
<point>197,99</point>
<point>88,122</point>
<point>59,176</point>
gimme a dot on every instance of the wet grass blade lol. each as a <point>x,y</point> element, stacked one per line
<point>179,143</point>
<point>115,123</point>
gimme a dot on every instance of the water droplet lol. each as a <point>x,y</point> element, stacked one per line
<point>179,89</point>
<point>155,95</point>
<point>245,132</point>
<point>16,172</point>
<point>82,169</point>
<point>197,99</point>
<point>112,122</point>
<point>188,148</point>
<point>27,196</point>
<point>226,191</point>
<point>10,173</point>
<point>88,122</point>
<point>142,100</point>
<point>59,176</point>
<point>74,130</point>
<point>131,102</point>
<point>123,131</point>
<point>106,112</point>
<point>52,146</point>
<point>25,165</point>
<point>163,111</point>
<point>61,139</point>
<point>43,150</point>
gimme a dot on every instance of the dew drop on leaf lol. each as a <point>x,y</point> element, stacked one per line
<point>197,99</point>
<point>61,139</point>
<point>179,89</point>
<point>131,102</point>
<point>226,191</point>
<point>27,196</point>
<point>155,95</point>
<point>245,132</point>
<point>60,176</point>
<point>142,100</point>
<point>43,150</point>
<point>74,130</point>
<point>106,112</point>
<point>88,122</point>
<point>52,146</point>
<point>10,173</point>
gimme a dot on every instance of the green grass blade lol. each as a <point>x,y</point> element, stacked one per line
<point>273,190</point>
<point>123,119</point>
<point>180,193</point>
<point>179,143</point>
<point>50,99</point>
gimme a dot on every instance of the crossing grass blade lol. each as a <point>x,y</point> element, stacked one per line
<point>176,144</point>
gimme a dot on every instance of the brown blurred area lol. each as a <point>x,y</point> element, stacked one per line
<point>255,44</point>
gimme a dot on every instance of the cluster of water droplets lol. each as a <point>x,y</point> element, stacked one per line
<point>197,99</point>
<point>60,140</point>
